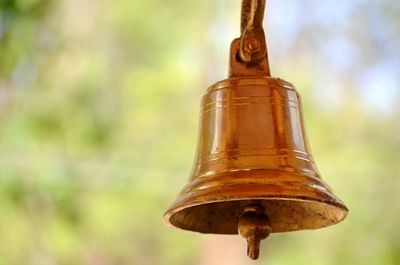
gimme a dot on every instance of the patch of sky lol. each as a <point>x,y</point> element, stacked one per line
<point>331,12</point>
<point>340,53</point>
<point>378,88</point>
<point>286,19</point>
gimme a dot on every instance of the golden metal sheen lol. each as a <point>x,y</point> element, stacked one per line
<point>253,173</point>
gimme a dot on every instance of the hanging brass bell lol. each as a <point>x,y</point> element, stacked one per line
<point>253,173</point>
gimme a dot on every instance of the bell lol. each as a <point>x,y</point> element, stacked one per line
<point>254,173</point>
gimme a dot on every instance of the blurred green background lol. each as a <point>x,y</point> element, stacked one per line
<point>99,104</point>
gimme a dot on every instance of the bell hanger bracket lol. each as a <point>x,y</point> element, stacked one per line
<point>249,55</point>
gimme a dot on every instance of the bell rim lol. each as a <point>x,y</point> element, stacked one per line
<point>338,205</point>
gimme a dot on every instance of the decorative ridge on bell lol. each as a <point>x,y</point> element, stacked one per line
<point>254,173</point>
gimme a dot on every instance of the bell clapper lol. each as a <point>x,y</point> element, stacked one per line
<point>255,226</point>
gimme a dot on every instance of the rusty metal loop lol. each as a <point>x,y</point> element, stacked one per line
<point>253,47</point>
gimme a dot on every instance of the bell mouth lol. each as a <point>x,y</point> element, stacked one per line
<point>293,201</point>
<point>285,214</point>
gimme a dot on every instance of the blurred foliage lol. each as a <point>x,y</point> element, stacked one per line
<point>98,119</point>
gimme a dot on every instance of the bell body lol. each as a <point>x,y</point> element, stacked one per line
<point>253,148</point>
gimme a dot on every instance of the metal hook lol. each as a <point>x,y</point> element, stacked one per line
<point>252,14</point>
<point>253,46</point>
